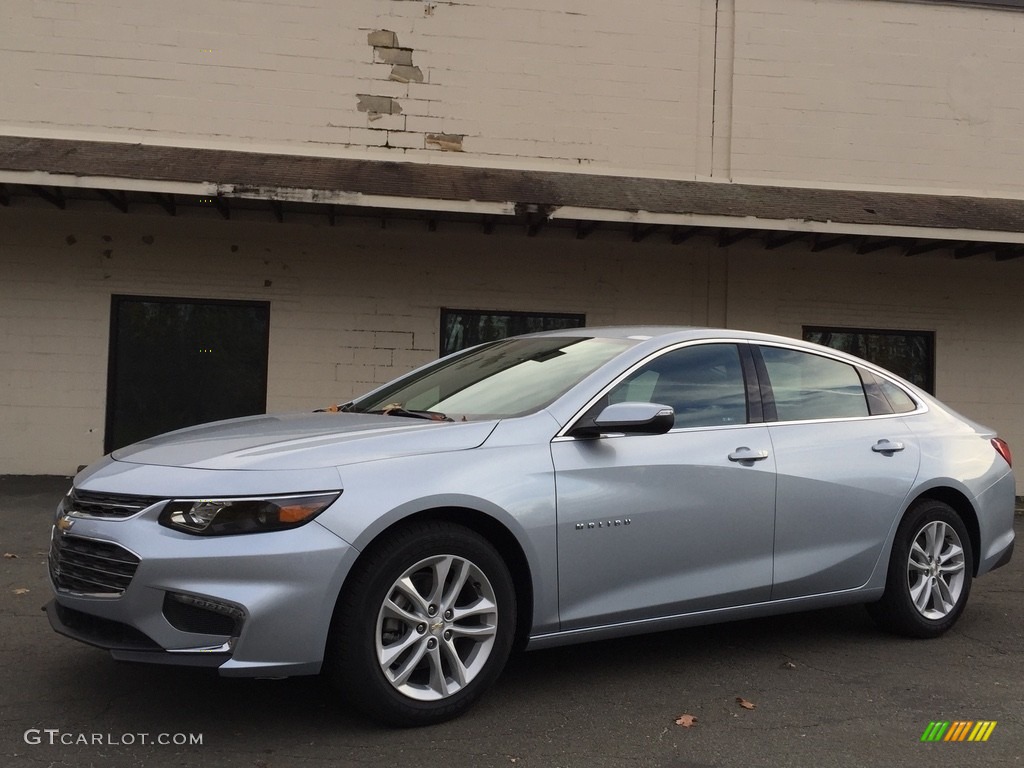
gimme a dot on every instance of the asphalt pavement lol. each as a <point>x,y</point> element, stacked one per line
<point>824,688</point>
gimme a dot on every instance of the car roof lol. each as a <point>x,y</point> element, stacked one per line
<point>659,335</point>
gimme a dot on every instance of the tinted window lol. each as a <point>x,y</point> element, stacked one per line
<point>884,396</point>
<point>704,384</point>
<point>808,386</point>
<point>898,399</point>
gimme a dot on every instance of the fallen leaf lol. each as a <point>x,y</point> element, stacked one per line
<point>744,703</point>
<point>10,555</point>
<point>687,721</point>
<point>20,591</point>
<point>788,665</point>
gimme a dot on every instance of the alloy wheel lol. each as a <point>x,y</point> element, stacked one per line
<point>436,627</point>
<point>936,569</point>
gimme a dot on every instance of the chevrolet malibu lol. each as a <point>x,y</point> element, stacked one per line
<point>530,492</point>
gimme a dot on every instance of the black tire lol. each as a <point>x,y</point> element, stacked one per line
<point>926,586</point>
<point>374,642</point>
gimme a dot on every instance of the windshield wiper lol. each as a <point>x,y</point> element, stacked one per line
<point>335,408</point>
<point>397,410</point>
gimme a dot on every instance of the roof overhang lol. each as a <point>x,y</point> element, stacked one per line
<point>58,170</point>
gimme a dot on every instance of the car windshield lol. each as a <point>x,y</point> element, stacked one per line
<point>512,377</point>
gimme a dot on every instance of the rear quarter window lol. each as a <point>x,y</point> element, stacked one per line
<point>900,401</point>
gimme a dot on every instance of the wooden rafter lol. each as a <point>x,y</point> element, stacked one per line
<point>872,244</point>
<point>682,234</point>
<point>781,239</point>
<point>55,197</point>
<point>925,246</point>
<point>166,201</point>
<point>639,232</point>
<point>731,237</point>
<point>974,249</point>
<point>823,244</point>
<point>117,198</point>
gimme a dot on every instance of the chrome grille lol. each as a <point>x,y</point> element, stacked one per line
<point>87,566</point>
<point>106,505</point>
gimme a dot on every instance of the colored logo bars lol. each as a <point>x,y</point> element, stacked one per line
<point>959,730</point>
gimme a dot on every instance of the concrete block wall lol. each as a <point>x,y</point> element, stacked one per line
<point>570,83</point>
<point>352,306</point>
<point>856,93</point>
<point>355,305</point>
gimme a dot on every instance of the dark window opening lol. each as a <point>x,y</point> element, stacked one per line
<point>463,328</point>
<point>179,362</point>
<point>908,354</point>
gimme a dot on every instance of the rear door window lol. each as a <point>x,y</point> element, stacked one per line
<point>808,386</point>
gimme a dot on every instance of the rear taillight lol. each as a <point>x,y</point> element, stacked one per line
<point>1003,449</point>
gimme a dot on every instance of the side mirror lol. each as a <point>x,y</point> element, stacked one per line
<point>630,419</point>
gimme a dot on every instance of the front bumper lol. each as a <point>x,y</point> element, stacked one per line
<point>249,605</point>
<point>124,642</point>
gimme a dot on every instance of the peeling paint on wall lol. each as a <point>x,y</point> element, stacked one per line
<point>448,142</point>
<point>406,74</point>
<point>386,50</point>
<point>382,38</point>
<point>379,105</point>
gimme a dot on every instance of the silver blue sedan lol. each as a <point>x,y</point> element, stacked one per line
<point>529,492</point>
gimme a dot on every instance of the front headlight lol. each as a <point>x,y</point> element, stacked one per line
<point>225,517</point>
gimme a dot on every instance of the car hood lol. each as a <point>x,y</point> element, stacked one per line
<point>303,441</point>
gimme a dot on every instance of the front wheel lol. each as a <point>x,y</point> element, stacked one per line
<point>424,625</point>
<point>929,576</point>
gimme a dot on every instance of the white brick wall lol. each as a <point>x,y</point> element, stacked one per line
<point>351,305</point>
<point>571,82</point>
<point>848,92</point>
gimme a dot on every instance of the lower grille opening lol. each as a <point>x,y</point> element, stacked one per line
<point>104,633</point>
<point>204,617</point>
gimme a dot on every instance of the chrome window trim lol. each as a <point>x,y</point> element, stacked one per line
<point>922,407</point>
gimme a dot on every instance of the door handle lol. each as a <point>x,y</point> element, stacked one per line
<point>887,446</point>
<point>743,453</point>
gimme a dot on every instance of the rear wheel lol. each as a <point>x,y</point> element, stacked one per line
<point>424,625</point>
<point>929,576</point>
